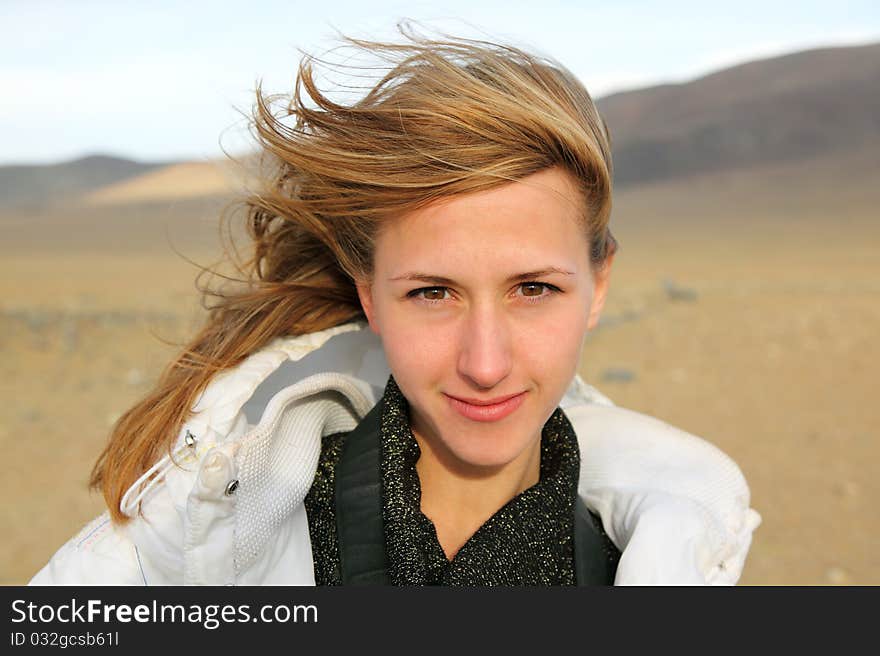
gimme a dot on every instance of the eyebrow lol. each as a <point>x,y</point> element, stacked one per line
<point>518,277</point>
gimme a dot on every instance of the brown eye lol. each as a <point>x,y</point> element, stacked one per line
<point>429,294</point>
<point>533,291</point>
<point>434,293</point>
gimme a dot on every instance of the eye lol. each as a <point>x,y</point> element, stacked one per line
<point>532,289</point>
<point>431,294</point>
<point>531,292</point>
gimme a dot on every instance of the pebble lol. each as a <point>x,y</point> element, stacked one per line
<point>675,292</point>
<point>846,489</point>
<point>837,575</point>
<point>134,377</point>
<point>618,375</point>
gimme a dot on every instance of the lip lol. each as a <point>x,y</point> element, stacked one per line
<point>493,410</point>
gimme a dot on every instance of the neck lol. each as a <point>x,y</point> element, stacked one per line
<point>459,499</point>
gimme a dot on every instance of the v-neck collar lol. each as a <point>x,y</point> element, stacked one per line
<point>528,541</point>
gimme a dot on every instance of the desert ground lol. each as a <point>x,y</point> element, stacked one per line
<point>745,317</point>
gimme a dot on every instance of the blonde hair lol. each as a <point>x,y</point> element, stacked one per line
<point>451,116</point>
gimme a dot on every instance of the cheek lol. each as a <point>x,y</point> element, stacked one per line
<point>415,351</point>
<point>556,347</point>
<point>558,341</point>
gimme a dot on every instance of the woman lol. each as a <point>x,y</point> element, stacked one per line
<point>460,209</point>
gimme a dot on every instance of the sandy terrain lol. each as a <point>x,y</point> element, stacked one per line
<point>757,331</point>
<point>202,179</point>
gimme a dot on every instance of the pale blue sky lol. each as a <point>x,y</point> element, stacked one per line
<point>159,80</point>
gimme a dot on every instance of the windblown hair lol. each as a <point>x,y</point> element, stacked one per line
<point>451,116</point>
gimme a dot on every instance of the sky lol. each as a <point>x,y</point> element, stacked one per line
<point>162,81</point>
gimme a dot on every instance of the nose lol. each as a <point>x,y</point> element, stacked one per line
<point>485,356</point>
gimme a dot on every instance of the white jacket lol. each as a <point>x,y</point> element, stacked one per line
<point>230,511</point>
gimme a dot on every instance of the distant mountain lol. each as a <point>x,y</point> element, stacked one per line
<point>173,182</point>
<point>37,184</point>
<point>793,107</point>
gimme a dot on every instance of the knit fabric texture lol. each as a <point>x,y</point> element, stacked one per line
<point>276,460</point>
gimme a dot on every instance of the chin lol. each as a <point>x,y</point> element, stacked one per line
<point>493,447</point>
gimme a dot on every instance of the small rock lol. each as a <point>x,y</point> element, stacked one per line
<point>608,320</point>
<point>618,375</point>
<point>134,377</point>
<point>675,292</point>
<point>846,489</point>
<point>837,575</point>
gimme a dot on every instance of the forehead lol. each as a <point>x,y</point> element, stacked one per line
<point>532,223</point>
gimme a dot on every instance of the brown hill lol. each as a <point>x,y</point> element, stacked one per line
<point>787,108</point>
<point>28,185</point>
<point>176,181</point>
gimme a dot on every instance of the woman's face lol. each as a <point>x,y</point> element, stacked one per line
<point>481,297</point>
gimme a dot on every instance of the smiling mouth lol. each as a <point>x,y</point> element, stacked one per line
<point>495,401</point>
<point>487,411</point>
